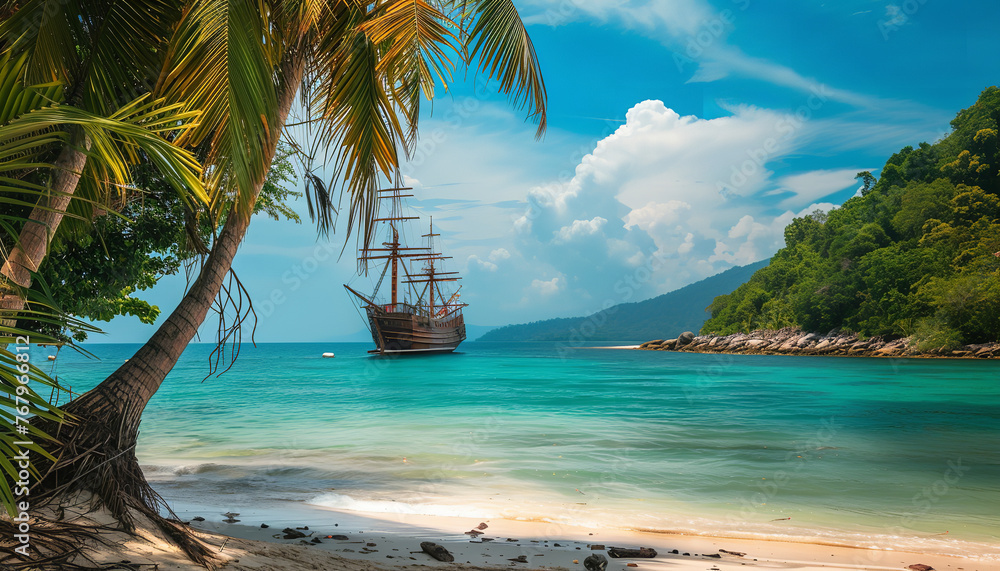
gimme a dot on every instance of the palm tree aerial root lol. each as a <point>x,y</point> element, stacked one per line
<point>95,460</point>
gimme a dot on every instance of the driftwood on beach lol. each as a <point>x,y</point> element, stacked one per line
<point>797,342</point>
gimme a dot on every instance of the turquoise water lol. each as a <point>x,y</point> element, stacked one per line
<point>870,452</point>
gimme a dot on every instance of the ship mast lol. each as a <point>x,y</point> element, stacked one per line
<point>430,274</point>
<point>430,245</point>
<point>393,252</point>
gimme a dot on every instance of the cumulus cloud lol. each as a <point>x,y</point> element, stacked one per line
<point>499,254</point>
<point>475,261</point>
<point>580,228</point>
<point>697,193</point>
<point>548,287</point>
<point>490,263</point>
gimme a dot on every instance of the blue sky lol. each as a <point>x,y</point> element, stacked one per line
<point>683,136</point>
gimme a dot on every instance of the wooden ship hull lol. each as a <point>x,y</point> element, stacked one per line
<point>404,332</point>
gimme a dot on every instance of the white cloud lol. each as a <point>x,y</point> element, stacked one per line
<point>656,213</point>
<point>580,228</point>
<point>548,287</point>
<point>499,254</point>
<point>699,193</point>
<point>476,261</point>
<point>811,186</point>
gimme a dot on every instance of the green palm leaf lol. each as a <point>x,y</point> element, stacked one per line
<point>222,62</point>
<point>506,53</point>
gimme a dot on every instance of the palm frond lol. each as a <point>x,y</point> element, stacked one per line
<point>114,142</point>
<point>222,61</point>
<point>20,379</point>
<point>359,123</point>
<point>106,52</point>
<point>415,39</point>
<point>506,53</point>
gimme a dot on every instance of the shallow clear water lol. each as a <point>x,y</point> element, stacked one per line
<point>861,451</point>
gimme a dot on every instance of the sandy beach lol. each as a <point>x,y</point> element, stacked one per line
<point>379,541</point>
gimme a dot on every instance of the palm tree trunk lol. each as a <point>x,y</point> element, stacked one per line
<point>33,243</point>
<point>129,388</point>
<point>96,453</point>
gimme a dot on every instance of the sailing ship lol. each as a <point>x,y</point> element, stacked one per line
<point>422,316</point>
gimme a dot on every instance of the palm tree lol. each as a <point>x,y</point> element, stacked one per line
<point>94,58</point>
<point>362,68</point>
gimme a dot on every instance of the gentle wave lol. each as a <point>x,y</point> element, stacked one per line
<point>347,503</point>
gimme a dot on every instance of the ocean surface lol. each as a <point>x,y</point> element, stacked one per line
<point>867,452</point>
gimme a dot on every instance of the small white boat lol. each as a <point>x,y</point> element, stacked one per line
<point>328,355</point>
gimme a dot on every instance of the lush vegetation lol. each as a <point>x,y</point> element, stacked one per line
<point>97,266</point>
<point>663,316</point>
<point>915,255</point>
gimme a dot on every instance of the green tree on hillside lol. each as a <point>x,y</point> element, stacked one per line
<point>915,254</point>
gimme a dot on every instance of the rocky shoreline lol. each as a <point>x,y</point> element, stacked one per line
<point>797,342</point>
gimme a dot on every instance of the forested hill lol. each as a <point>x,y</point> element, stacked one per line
<point>663,316</point>
<point>918,254</point>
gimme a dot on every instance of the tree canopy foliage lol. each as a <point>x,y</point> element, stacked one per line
<point>96,269</point>
<point>916,254</point>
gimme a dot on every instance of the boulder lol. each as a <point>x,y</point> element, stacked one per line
<point>595,562</point>
<point>685,338</point>
<point>789,344</point>
<point>806,340</point>
<point>292,534</point>
<point>669,344</point>
<point>436,551</point>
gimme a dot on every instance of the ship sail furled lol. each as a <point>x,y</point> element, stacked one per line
<point>420,317</point>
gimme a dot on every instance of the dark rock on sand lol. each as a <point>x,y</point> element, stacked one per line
<point>197,518</point>
<point>436,551</point>
<point>292,534</point>
<point>264,526</point>
<point>520,559</point>
<point>920,567</point>
<point>736,553</point>
<point>712,555</point>
<point>644,552</point>
<point>596,562</point>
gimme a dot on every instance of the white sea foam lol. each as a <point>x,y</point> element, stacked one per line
<point>347,503</point>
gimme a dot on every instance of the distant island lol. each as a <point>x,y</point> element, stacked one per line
<point>662,316</point>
